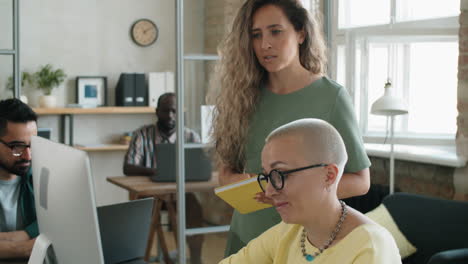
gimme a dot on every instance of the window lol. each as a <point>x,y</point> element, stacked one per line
<point>426,9</point>
<point>356,13</point>
<point>414,44</point>
<point>311,5</point>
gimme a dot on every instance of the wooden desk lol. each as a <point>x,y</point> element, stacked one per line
<point>142,186</point>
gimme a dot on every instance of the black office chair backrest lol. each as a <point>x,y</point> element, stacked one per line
<point>430,224</point>
<point>371,200</point>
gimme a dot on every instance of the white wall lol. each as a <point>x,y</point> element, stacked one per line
<point>91,37</point>
<point>6,42</point>
<point>6,24</point>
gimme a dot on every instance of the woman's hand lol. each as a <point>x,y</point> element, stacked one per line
<point>261,198</point>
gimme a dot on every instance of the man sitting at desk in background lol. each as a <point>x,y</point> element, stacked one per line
<point>18,224</point>
<point>141,160</point>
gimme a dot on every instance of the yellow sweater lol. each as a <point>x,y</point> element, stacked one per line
<point>366,244</point>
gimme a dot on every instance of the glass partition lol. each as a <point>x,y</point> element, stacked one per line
<point>6,79</point>
<point>6,24</point>
<point>197,75</point>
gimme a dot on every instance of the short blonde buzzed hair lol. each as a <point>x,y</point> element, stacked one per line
<point>321,141</point>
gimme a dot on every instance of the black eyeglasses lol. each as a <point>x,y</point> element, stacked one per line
<point>16,149</point>
<point>277,177</point>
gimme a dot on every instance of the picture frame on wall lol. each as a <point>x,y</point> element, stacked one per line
<point>91,90</point>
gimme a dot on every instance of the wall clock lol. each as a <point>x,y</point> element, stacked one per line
<point>144,32</point>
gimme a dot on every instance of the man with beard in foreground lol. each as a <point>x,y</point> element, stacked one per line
<point>18,224</point>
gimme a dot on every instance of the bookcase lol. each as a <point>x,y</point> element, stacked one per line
<point>67,122</point>
<point>93,129</point>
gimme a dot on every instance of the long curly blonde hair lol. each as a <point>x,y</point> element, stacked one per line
<point>238,76</point>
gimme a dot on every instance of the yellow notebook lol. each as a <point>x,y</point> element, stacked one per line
<point>240,195</point>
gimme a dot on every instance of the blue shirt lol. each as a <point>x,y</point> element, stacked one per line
<point>10,219</point>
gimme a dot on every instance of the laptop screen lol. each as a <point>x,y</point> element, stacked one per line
<point>124,229</point>
<point>197,163</point>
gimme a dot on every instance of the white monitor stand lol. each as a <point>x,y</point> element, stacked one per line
<point>39,251</point>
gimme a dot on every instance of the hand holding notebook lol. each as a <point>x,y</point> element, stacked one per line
<point>241,195</point>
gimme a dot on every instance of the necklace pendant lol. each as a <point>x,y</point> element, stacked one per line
<point>309,257</point>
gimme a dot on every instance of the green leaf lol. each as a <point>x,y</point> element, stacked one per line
<point>47,78</point>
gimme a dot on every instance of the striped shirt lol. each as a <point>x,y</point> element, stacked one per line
<point>141,151</point>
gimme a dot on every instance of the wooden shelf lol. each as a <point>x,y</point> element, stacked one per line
<point>97,110</point>
<point>114,147</point>
<point>202,57</point>
<point>103,147</point>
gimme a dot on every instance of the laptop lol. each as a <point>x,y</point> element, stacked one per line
<point>197,163</point>
<point>124,229</point>
<point>44,132</point>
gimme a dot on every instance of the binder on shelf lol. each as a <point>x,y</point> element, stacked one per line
<point>141,93</point>
<point>125,91</point>
<point>158,84</point>
<point>131,90</point>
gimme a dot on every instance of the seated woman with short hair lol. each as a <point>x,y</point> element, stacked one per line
<point>302,164</point>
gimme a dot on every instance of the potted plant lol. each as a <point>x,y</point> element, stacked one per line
<point>46,80</point>
<point>25,77</point>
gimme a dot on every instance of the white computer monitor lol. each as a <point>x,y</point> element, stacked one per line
<point>65,204</point>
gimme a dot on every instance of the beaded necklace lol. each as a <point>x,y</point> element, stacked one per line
<point>309,257</point>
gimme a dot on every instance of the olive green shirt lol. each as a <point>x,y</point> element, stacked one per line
<point>323,99</point>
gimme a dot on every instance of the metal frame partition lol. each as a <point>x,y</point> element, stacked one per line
<point>15,51</point>
<point>180,169</point>
<point>16,46</point>
<point>182,231</point>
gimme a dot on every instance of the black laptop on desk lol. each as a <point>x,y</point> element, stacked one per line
<point>124,229</point>
<point>197,163</point>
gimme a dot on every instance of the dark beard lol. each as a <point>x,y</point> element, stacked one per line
<point>166,128</point>
<point>16,169</point>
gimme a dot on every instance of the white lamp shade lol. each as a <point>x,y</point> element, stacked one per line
<point>389,105</point>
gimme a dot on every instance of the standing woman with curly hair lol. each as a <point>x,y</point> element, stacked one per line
<point>271,72</point>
